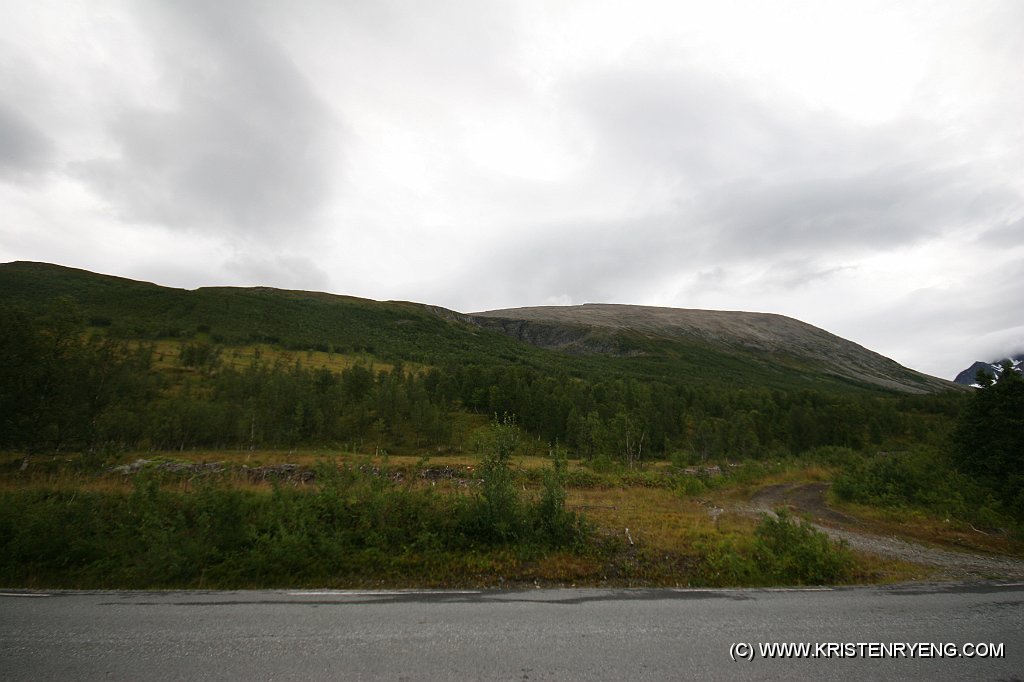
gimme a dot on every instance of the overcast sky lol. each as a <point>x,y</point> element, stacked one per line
<point>857,165</point>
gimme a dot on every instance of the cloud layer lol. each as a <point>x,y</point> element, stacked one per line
<point>856,165</point>
<point>241,144</point>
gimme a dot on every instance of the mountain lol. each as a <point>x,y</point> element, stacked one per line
<point>993,369</point>
<point>595,327</point>
<point>238,315</point>
<point>725,349</point>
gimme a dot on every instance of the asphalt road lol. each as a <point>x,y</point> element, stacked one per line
<point>505,635</point>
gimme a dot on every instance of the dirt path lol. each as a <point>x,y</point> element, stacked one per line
<point>810,499</point>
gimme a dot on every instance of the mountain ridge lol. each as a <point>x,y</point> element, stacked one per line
<point>732,347</point>
<point>761,332</point>
<point>993,369</point>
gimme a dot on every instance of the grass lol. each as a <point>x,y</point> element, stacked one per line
<point>673,539</point>
<point>167,356</point>
<point>945,533</point>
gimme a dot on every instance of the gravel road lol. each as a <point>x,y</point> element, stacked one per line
<point>810,499</point>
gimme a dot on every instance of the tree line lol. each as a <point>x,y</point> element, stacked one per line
<point>65,389</point>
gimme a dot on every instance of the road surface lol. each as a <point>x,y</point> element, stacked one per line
<point>586,634</point>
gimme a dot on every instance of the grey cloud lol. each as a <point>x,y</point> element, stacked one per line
<point>244,147</point>
<point>24,150</point>
<point>1008,234</point>
<point>626,260</point>
<point>978,320</point>
<point>760,174</point>
<point>880,209</point>
<point>782,238</point>
<point>610,261</point>
<point>797,273</point>
<point>690,123</point>
<point>286,271</point>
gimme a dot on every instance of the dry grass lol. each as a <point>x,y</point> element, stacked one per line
<point>656,518</point>
<point>167,356</point>
<point>666,530</point>
<point>930,530</point>
<point>663,523</point>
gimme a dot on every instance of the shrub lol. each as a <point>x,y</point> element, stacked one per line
<point>921,479</point>
<point>496,515</point>
<point>788,551</point>
<point>553,523</point>
<point>782,551</point>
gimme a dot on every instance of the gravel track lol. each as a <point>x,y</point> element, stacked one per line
<point>810,499</point>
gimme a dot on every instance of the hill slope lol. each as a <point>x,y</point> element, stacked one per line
<point>585,327</point>
<point>239,315</point>
<point>595,341</point>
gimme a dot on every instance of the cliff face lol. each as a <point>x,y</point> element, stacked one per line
<point>571,338</point>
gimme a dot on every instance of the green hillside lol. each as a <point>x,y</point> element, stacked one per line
<point>394,331</point>
<point>293,319</point>
<point>168,437</point>
<point>99,360</point>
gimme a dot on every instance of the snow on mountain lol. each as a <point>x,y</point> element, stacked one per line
<point>994,369</point>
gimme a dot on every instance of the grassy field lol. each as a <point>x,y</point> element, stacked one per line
<point>167,357</point>
<point>642,528</point>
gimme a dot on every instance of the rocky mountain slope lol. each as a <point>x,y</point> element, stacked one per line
<point>607,328</point>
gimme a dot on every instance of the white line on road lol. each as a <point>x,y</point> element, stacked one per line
<point>749,589</point>
<point>23,594</point>
<point>376,593</point>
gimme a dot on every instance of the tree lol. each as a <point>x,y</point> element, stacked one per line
<point>498,505</point>
<point>988,442</point>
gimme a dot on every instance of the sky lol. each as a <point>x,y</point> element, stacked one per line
<point>857,165</point>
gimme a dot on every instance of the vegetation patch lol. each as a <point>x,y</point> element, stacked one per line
<point>159,438</point>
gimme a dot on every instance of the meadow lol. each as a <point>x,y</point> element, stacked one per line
<point>303,518</point>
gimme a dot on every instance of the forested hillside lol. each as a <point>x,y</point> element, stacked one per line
<point>98,361</point>
<point>167,437</point>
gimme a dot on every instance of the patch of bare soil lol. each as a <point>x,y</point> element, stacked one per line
<point>809,500</point>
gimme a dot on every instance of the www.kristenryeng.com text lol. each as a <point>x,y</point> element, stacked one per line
<point>747,651</point>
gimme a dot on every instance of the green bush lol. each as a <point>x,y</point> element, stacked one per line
<point>555,525</point>
<point>353,524</point>
<point>783,551</point>
<point>921,479</point>
<point>790,551</point>
<point>603,464</point>
<point>691,485</point>
<point>498,514</point>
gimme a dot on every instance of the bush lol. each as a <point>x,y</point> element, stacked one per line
<point>783,551</point>
<point>691,485</point>
<point>353,525</point>
<point>603,464</point>
<point>499,515</point>
<point>496,515</point>
<point>554,524</point>
<point>788,551</point>
<point>921,479</point>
